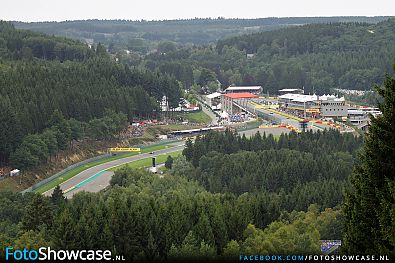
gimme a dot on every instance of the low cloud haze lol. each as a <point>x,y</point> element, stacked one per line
<point>60,10</point>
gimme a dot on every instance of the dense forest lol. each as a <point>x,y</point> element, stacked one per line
<point>230,163</point>
<point>319,54</point>
<point>369,204</point>
<point>318,57</point>
<point>40,74</point>
<point>193,211</point>
<point>39,148</point>
<point>227,195</point>
<point>124,33</point>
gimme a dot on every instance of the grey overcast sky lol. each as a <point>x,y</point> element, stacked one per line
<point>60,10</point>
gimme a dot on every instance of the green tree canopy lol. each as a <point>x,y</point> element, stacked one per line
<point>369,207</point>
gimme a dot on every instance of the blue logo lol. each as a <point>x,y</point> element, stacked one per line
<point>329,246</point>
<point>24,254</point>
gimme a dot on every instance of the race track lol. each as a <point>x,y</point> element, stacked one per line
<point>96,178</point>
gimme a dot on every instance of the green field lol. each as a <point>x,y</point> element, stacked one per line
<point>197,117</point>
<point>147,161</point>
<point>75,171</point>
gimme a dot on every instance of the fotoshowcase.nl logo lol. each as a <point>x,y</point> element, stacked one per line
<point>48,254</point>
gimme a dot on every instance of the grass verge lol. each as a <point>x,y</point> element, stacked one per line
<point>147,161</point>
<point>70,174</point>
<point>197,117</point>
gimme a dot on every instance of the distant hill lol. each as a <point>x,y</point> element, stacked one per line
<point>25,44</point>
<point>193,31</point>
<point>318,57</point>
<point>315,38</point>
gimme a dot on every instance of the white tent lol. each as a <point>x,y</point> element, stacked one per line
<point>15,172</point>
<point>224,115</point>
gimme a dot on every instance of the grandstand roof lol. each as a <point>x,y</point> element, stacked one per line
<point>289,90</point>
<point>242,95</point>
<point>299,97</point>
<point>244,88</point>
<point>309,98</point>
<point>213,95</point>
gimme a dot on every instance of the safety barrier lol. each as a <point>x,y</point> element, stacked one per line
<point>287,126</point>
<point>100,157</point>
<point>285,115</point>
<point>269,126</point>
<point>268,117</point>
<point>57,175</point>
<point>326,123</point>
<point>249,126</point>
<point>260,106</point>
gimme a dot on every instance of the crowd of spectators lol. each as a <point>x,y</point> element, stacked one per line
<point>133,131</point>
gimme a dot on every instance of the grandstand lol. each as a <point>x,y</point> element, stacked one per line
<point>234,103</point>
<point>250,89</point>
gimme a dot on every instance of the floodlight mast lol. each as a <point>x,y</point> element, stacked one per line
<point>304,106</point>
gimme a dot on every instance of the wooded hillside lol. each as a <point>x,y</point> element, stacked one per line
<point>40,74</point>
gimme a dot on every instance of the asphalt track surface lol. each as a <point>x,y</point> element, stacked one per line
<point>96,178</point>
<point>292,122</point>
<point>214,118</point>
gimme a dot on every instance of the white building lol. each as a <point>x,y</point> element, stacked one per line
<point>361,117</point>
<point>295,101</point>
<point>331,106</point>
<point>15,172</point>
<point>184,105</point>
<point>370,110</point>
<point>357,117</point>
<point>326,105</point>
<point>213,99</point>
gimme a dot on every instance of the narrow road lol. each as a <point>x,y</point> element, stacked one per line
<point>96,178</point>
<point>214,118</point>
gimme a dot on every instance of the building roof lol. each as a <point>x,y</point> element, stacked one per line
<point>244,88</point>
<point>242,95</point>
<point>309,98</point>
<point>289,90</point>
<point>299,97</point>
<point>355,112</point>
<point>213,95</point>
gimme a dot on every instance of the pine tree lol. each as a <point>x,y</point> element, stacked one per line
<point>10,132</point>
<point>169,162</point>
<point>188,151</point>
<point>151,251</point>
<point>64,230</point>
<point>203,229</point>
<point>188,249</point>
<point>370,206</point>
<point>57,197</point>
<point>37,213</point>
